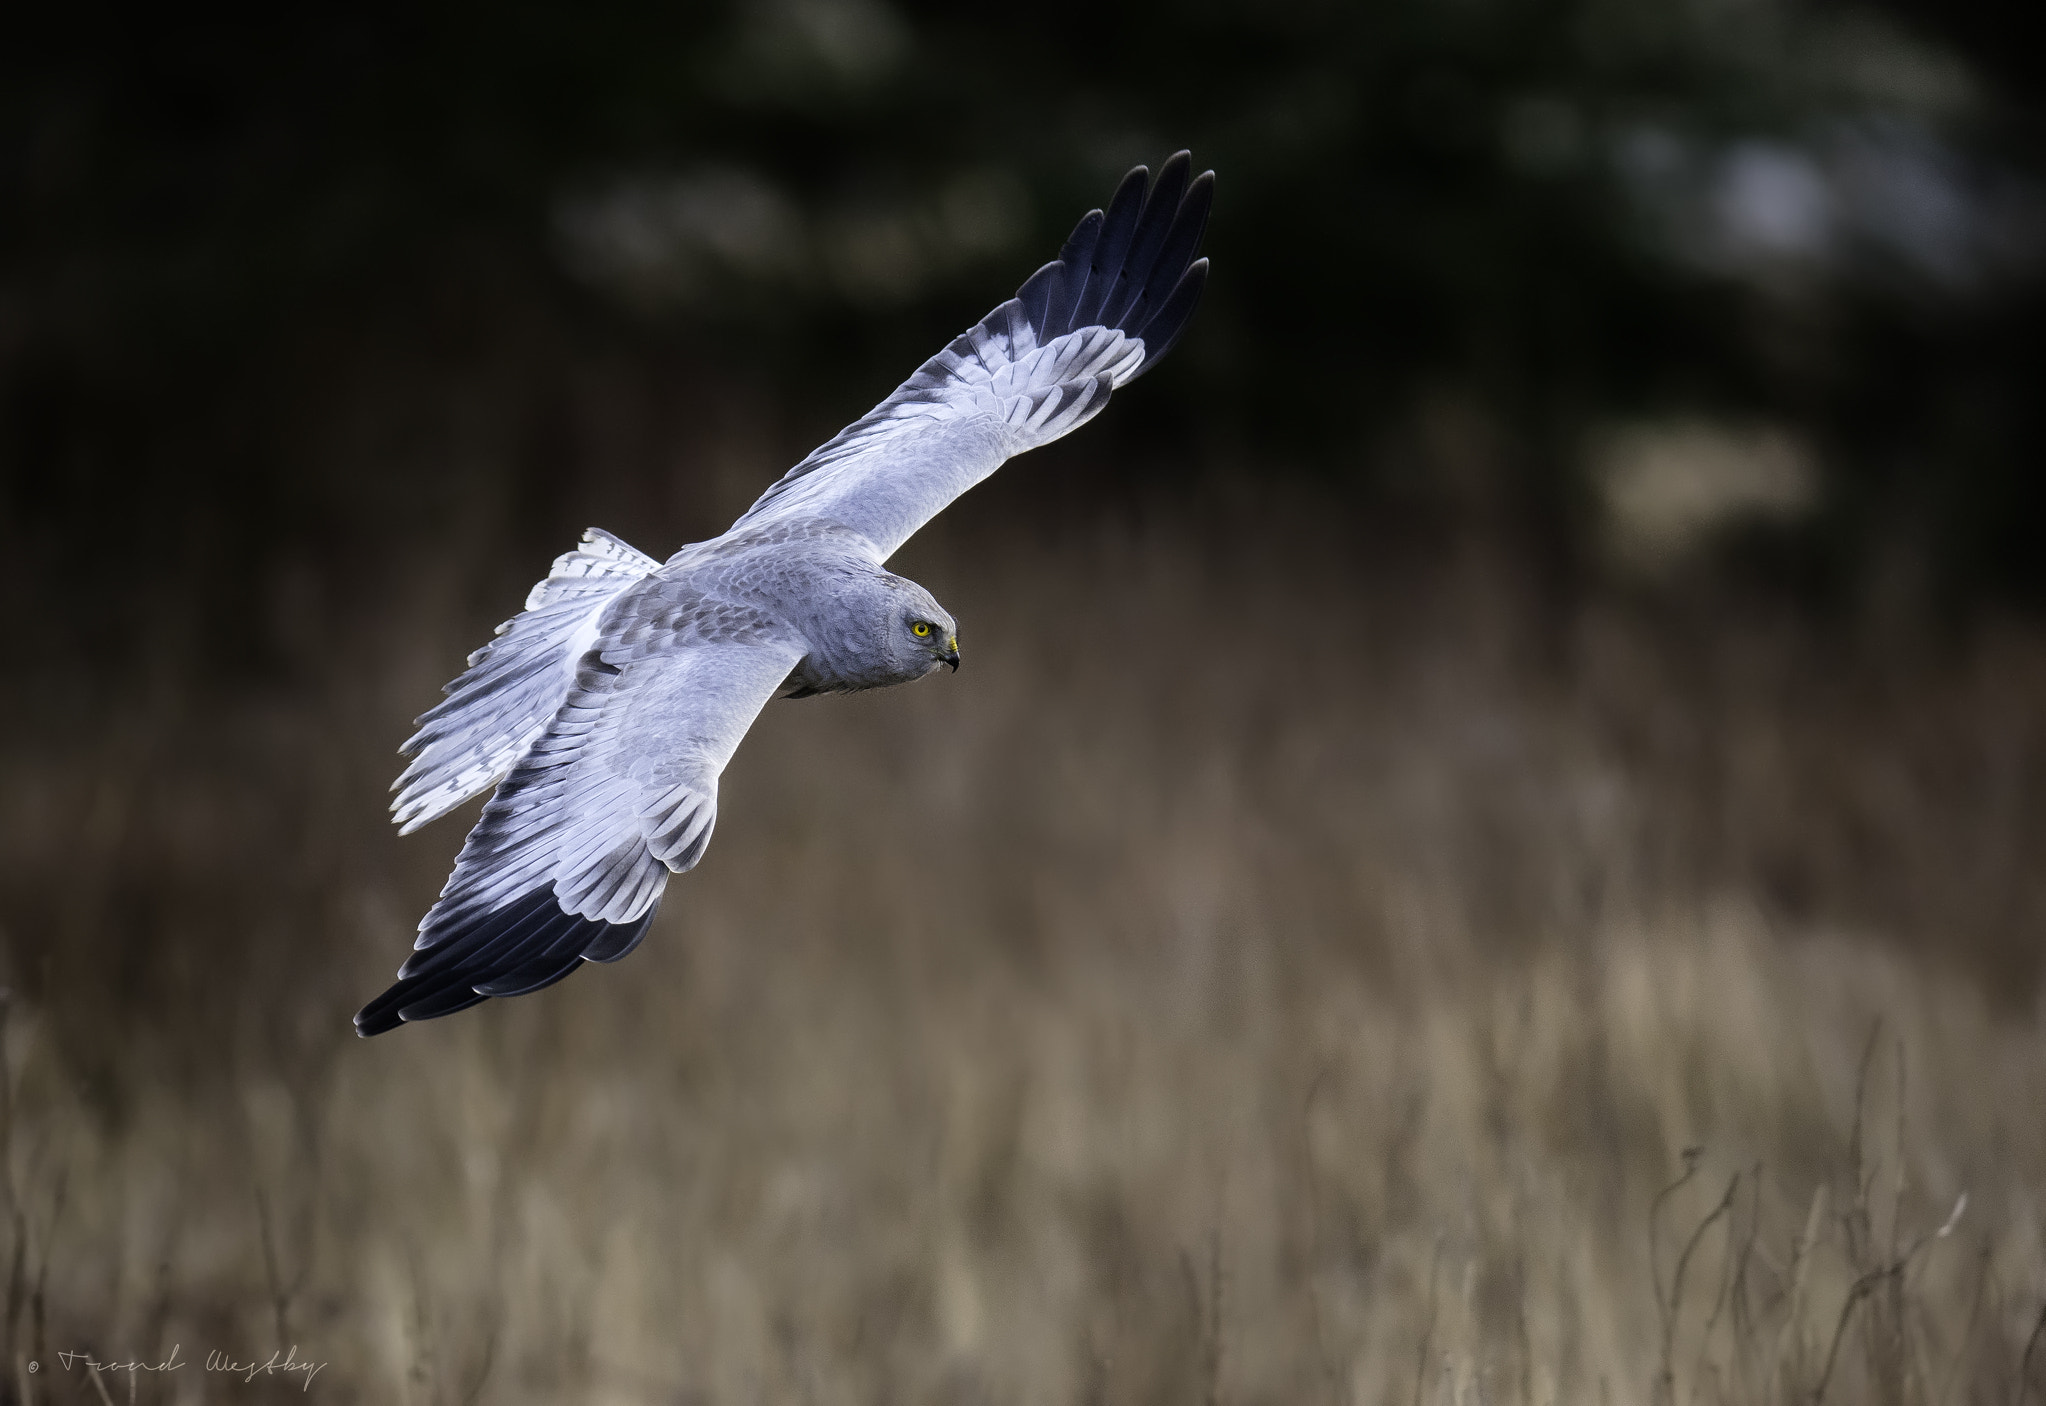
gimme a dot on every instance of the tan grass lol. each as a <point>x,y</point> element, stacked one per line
<point>1245,982</point>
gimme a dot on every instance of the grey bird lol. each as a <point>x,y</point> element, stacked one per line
<point>606,711</point>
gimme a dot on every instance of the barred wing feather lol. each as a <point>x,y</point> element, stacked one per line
<point>572,854</point>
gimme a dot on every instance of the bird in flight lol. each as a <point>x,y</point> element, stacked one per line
<point>605,712</point>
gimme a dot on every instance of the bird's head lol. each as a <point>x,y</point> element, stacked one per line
<point>922,633</point>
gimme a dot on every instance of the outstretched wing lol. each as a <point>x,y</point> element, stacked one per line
<point>1037,367</point>
<point>514,684</point>
<point>571,856</point>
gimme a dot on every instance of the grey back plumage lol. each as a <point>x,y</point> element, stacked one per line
<point>606,712</point>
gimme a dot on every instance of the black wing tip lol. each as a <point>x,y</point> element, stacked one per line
<point>1145,242</point>
<point>1164,330</point>
<point>414,999</point>
<point>518,948</point>
<point>377,1017</point>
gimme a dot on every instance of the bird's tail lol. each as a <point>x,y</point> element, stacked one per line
<point>514,684</point>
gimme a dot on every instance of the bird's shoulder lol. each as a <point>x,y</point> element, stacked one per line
<point>776,564</point>
<point>757,545</point>
<point>761,584</point>
<point>672,611</point>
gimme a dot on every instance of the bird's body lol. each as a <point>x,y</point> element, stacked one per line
<point>606,712</point>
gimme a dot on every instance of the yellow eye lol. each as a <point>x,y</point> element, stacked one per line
<point>921,628</point>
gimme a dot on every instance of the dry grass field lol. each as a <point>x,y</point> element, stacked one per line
<point>1274,971</point>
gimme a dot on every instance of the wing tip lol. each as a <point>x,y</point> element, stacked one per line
<point>474,964</point>
<point>1147,241</point>
<point>1164,329</point>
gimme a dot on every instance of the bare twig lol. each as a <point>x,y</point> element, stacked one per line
<point>1742,1317</point>
<point>1901,1181</point>
<point>280,1296</point>
<point>1869,1282</point>
<point>1338,1389</point>
<point>17,1222</point>
<point>1968,1329</point>
<point>1732,1265</point>
<point>1868,1050</point>
<point>17,1277</point>
<point>1214,1319</point>
<point>1885,1328</point>
<point>1789,1333</point>
<point>1525,1342</point>
<point>1856,1216</point>
<point>2025,1362</point>
<point>1427,1333</point>
<point>1691,1156</point>
<point>37,1301</point>
<point>1863,1287</point>
<point>1207,1311</point>
<point>475,1391</point>
<point>423,1369</point>
<point>1667,1385</point>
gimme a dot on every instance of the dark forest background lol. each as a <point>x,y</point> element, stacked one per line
<point>213,233</point>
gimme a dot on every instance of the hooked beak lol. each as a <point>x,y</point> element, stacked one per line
<point>951,654</point>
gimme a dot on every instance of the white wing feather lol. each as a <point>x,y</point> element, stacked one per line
<point>990,395</point>
<point>621,790</point>
<point>514,684</point>
<point>1037,367</point>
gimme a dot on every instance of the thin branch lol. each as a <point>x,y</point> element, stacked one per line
<point>1676,1288</point>
<point>1968,1329</point>
<point>1789,1332</point>
<point>2025,1362</point>
<point>1207,1311</point>
<point>1732,1266</point>
<point>1857,1218</point>
<point>1868,1283</point>
<point>37,1302</point>
<point>280,1296</point>
<point>475,1391</point>
<point>1863,1287</point>
<point>1427,1333</point>
<point>1691,1156</point>
<point>1897,1199</point>
<point>1338,1388</point>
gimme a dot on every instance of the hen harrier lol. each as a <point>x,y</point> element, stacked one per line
<point>611,705</point>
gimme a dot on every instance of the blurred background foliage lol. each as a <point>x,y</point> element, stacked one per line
<point>1556,263</point>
